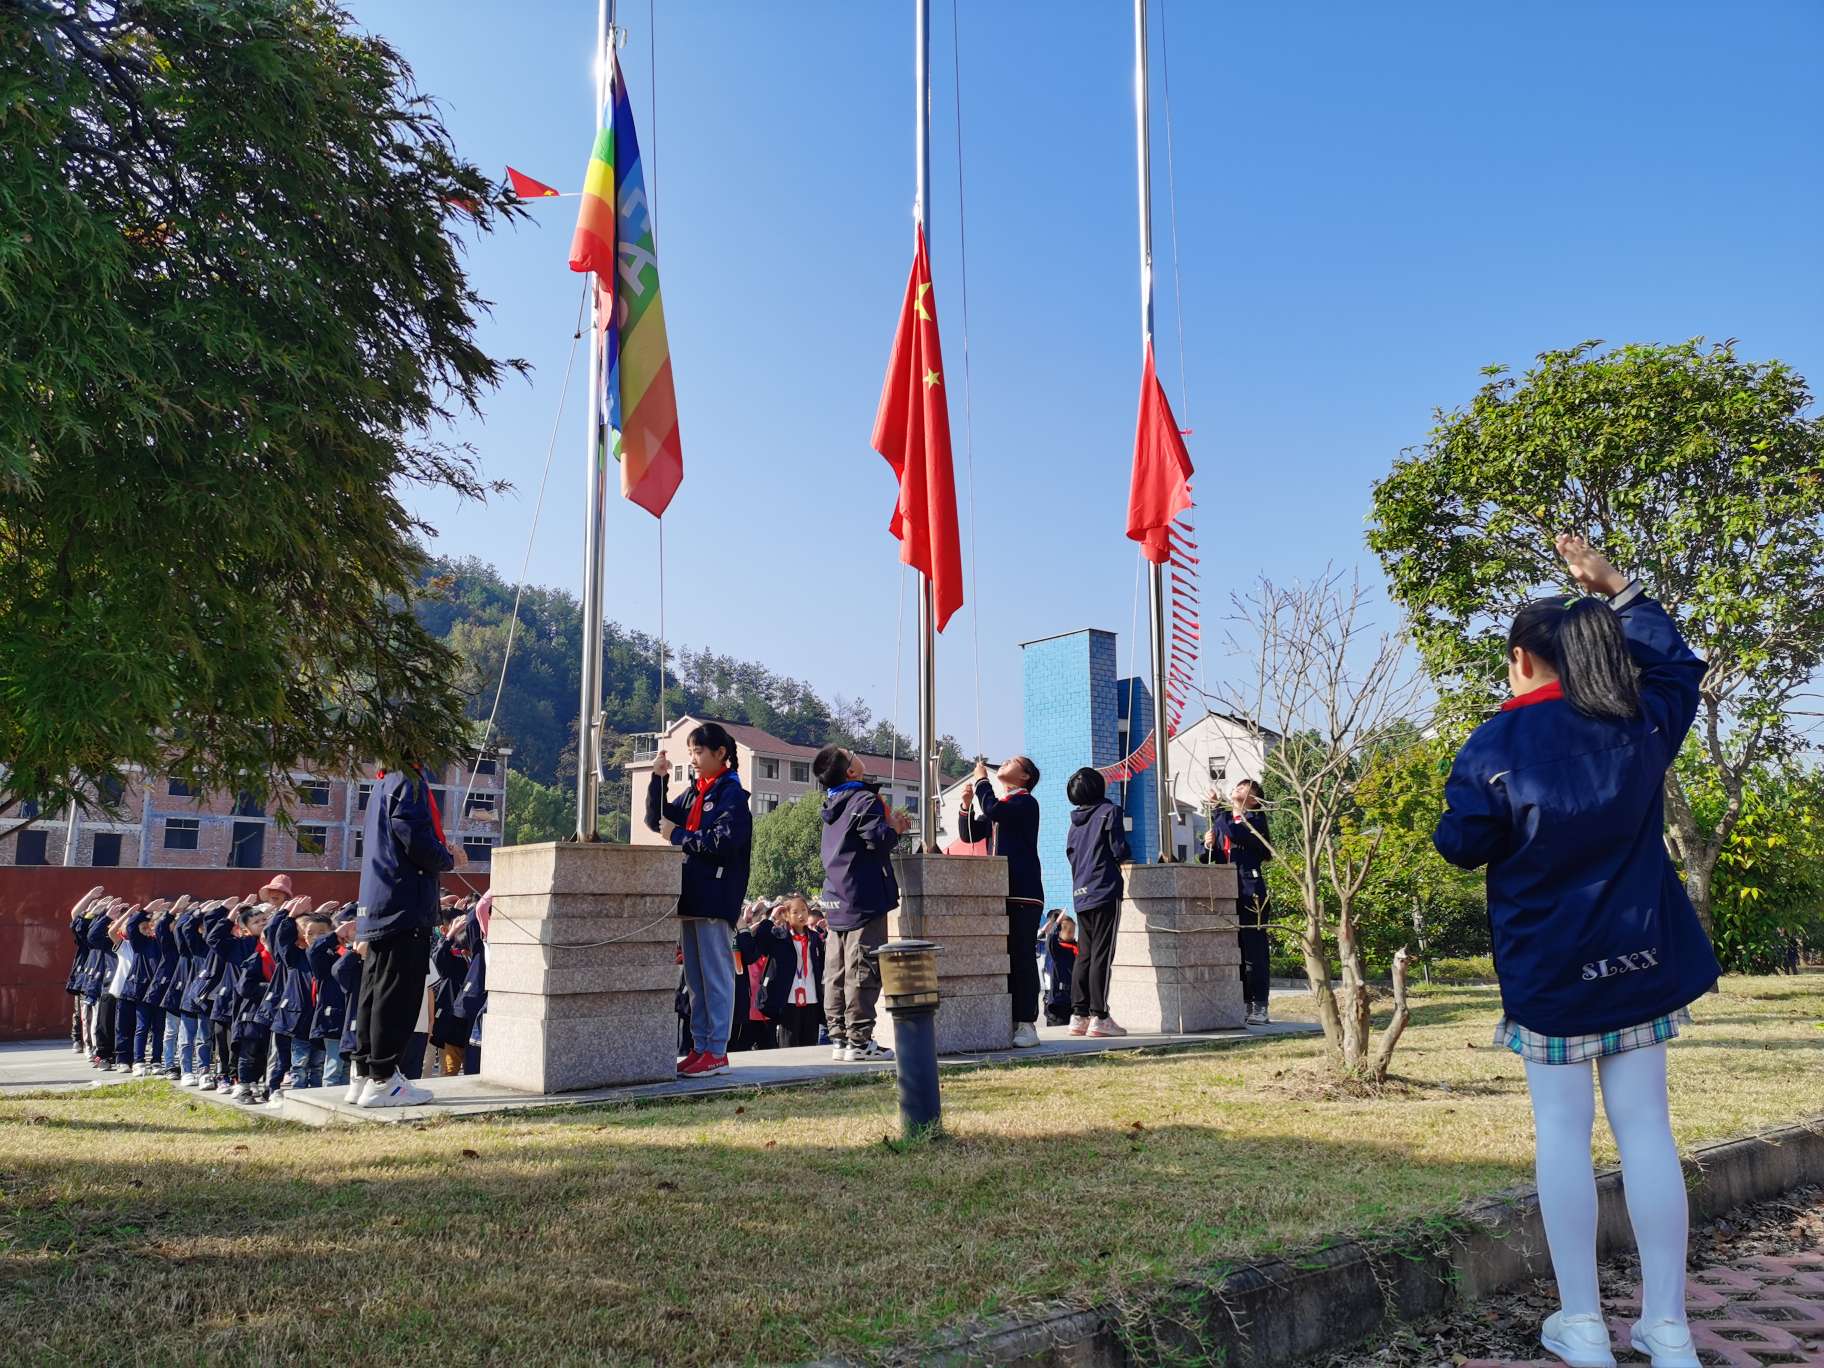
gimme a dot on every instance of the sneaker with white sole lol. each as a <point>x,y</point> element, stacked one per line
<point>243,1093</point>
<point>1079,1025</point>
<point>187,1081</point>
<point>138,1071</point>
<point>1025,1035</point>
<point>276,1100</point>
<point>1103,1028</point>
<point>356,1082</point>
<point>206,1083</point>
<point>1666,1342</point>
<point>1582,1341</point>
<point>839,1051</point>
<point>226,1085</point>
<point>397,1091</point>
<point>870,1052</point>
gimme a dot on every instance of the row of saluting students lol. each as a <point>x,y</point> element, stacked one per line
<point>249,996</point>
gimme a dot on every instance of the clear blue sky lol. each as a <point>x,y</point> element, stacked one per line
<point>1373,202</point>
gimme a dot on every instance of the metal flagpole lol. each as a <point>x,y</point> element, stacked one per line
<point>1162,777</point>
<point>588,736</point>
<point>927,600</point>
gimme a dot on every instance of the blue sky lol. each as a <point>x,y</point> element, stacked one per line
<point>1372,202</point>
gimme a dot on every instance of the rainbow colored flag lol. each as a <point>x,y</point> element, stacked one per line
<point>614,239</point>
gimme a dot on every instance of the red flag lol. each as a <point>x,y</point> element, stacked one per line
<point>1161,487</point>
<point>527,188</point>
<point>912,430</point>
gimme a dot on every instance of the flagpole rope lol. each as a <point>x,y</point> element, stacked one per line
<point>899,656</point>
<point>962,259</point>
<point>652,209</point>
<point>525,563</point>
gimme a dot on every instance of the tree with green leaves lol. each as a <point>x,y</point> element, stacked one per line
<point>235,307</point>
<point>1698,470</point>
<point>536,812</point>
<point>788,849</point>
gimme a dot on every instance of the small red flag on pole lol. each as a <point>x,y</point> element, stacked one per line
<point>912,430</point>
<point>527,188</point>
<point>1161,487</point>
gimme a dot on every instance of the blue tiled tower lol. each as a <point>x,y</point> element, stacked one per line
<point>1072,719</point>
<point>1139,797</point>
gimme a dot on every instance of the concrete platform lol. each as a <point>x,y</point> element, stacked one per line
<point>23,1066</point>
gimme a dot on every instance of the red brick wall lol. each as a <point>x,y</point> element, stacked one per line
<point>35,903</point>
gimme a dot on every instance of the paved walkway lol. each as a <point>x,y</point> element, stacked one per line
<point>53,1065</point>
<point>1753,1313</point>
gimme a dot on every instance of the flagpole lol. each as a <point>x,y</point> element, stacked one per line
<point>1162,777</point>
<point>588,737</point>
<point>927,601</point>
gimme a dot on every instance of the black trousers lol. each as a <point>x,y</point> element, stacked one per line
<point>222,1055</point>
<point>104,1027</point>
<point>392,992</point>
<point>1022,959</point>
<point>1256,960</point>
<point>798,1025</point>
<point>1095,960</point>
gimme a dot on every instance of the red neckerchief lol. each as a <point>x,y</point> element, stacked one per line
<point>265,958</point>
<point>696,807</point>
<point>1545,693</point>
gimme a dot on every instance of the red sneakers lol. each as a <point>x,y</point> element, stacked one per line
<point>700,1065</point>
<point>689,1063</point>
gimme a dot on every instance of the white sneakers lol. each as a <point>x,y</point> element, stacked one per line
<point>397,1091</point>
<point>356,1082</point>
<point>1079,1025</point>
<point>1103,1027</point>
<point>1025,1035</point>
<point>839,1052</point>
<point>243,1093</point>
<point>1666,1342</point>
<point>1582,1341</point>
<point>187,1081</point>
<point>873,1052</point>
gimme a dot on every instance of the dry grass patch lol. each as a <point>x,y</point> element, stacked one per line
<point>777,1226</point>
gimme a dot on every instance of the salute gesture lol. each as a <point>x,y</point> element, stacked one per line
<point>1593,571</point>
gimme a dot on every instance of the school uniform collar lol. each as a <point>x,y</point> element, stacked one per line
<point>1545,693</point>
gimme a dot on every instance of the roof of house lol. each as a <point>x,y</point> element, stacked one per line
<point>762,742</point>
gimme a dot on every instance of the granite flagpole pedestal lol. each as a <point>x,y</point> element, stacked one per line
<point>959,902</point>
<point>582,966</point>
<point>1177,962</point>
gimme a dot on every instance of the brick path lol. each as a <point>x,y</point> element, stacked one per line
<point>1753,1313</point>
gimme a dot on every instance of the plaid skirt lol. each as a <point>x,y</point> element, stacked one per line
<point>1545,1049</point>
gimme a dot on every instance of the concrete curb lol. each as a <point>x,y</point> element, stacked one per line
<point>1287,1309</point>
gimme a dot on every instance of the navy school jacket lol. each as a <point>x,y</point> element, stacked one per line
<point>251,981</point>
<point>448,1024</point>
<point>345,973</point>
<point>102,958</point>
<point>207,934</point>
<point>1014,824</point>
<point>290,1000</point>
<point>401,858</point>
<point>1242,842</point>
<point>332,1012</point>
<point>1097,845</point>
<point>1591,927</point>
<point>782,952</point>
<point>147,959</point>
<point>473,1001</point>
<point>717,854</point>
<point>226,1000</point>
<point>858,880</point>
<point>79,933</point>
<point>168,982</point>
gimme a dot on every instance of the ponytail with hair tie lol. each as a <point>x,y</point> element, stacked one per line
<point>1581,639</point>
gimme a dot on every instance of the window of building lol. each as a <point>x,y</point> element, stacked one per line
<point>479,850</point>
<point>362,793</point>
<point>247,845</point>
<point>486,804</point>
<point>246,805</point>
<point>181,833</point>
<point>360,843</point>
<point>111,791</point>
<point>677,774</point>
<point>177,788</point>
<point>314,793</point>
<point>312,840</point>
<point>31,848</point>
<point>106,853</point>
<point>485,765</point>
<point>801,771</point>
<point>28,808</point>
<point>1219,769</point>
<point>766,802</point>
<point>769,769</point>
<point>911,803</point>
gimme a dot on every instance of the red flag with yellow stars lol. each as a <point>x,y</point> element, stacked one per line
<point>912,430</point>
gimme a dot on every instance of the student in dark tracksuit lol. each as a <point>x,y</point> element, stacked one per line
<point>1013,824</point>
<point>792,985</point>
<point>1239,837</point>
<point>346,972</point>
<point>144,935</point>
<point>859,889</point>
<point>330,1018</point>
<point>230,940</point>
<point>1596,946</point>
<point>403,852</point>
<point>1097,844</point>
<point>712,825</point>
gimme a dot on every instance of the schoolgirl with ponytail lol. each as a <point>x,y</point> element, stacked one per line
<point>1597,948</point>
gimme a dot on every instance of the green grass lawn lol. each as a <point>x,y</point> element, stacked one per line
<point>140,1223</point>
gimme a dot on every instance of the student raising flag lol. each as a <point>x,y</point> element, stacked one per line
<point>614,239</point>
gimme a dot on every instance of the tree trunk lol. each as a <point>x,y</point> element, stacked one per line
<point>1390,1035</point>
<point>1355,994</point>
<point>1317,974</point>
<point>1696,854</point>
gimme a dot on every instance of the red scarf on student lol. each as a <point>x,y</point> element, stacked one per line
<point>696,807</point>
<point>1545,693</point>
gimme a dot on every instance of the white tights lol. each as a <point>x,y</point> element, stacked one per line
<point>1634,1098</point>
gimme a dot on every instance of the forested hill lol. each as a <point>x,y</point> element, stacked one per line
<point>468,605</point>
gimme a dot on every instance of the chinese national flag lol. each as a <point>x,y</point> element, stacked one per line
<point>912,430</point>
<point>1161,487</point>
<point>527,188</point>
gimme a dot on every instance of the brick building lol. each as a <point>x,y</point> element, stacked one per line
<point>158,823</point>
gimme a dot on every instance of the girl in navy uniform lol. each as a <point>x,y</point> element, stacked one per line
<point>346,972</point>
<point>148,1020</point>
<point>331,1016</point>
<point>1597,949</point>
<point>792,985</point>
<point>1013,822</point>
<point>229,942</point>
<point>1097,844</point>
<point>711,824</point>
<point>1239,837</point>
<point>859,889</point>
<point>252,1028</point>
